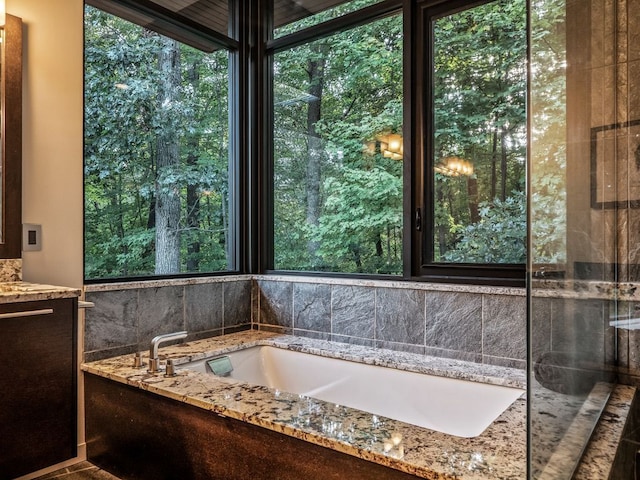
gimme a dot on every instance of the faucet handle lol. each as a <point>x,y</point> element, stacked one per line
<point>170,371</point>
<point>154,365</point>
<point>137,360</point>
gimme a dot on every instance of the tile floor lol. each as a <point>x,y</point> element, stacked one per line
<point>79,471</point>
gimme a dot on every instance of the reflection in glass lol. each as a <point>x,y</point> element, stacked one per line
<point>573,346</point>
<point>307,13</point>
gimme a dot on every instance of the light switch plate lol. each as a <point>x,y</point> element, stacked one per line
<point>31,237</point>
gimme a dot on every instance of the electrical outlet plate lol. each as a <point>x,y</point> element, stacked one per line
<point>31,237</point>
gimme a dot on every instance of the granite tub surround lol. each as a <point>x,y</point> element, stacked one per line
<point>466,322</point>
<point>498,453</point>
<point>603,457</point>
<point>11,292</point>
<point>128,315</point>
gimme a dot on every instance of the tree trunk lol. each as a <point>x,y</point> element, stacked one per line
<point>379,248</point>
<point>441,229</point>
<point>503,164</point>
<point>120,227</point>
<point>357,257</point>
<point>494,160</point>
<point>167,191</point>
<point>472,194</point>
<point>193,190</point>
<point>316,68</point>
<point>193,222</point>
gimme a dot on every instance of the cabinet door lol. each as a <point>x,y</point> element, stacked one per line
<point>38,385</point>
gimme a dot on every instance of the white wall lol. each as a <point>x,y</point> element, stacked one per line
<point>52,155</point>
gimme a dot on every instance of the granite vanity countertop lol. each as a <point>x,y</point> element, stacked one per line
<point>11,292</point>
<point>498,453</point>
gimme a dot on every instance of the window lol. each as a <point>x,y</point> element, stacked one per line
<point>475,139</point>
<point>321,181</point>
<point>337,151</point>
<point>157,153</point>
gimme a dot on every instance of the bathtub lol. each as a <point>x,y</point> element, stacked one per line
<point>456,407</point>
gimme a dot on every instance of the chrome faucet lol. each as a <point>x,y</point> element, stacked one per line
<point>154,362</point>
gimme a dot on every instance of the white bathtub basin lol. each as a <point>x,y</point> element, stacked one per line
<point>456,407</point>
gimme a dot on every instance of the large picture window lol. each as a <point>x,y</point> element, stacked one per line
<point>339,137</point>
<point>157,153</point>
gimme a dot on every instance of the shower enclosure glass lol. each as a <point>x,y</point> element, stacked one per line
<point>584,179</point>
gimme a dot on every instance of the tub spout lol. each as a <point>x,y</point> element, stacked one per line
<point>155,343</point>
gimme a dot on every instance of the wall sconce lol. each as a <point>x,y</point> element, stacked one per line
<point>3,12</point>
<point>454,167</point>
<point>391,146</point>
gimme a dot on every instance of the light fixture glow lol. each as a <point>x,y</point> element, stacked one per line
<point>395,142</point>
<point>391,146</point>
<point>454,167</point>
<point>3,12</point>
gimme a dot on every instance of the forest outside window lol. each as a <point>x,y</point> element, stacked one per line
<point>157,153</point>
<point>161,193</point>
<point>337,189</point>
<point>475,137</point>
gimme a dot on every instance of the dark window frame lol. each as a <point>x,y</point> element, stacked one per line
<point>423,266</point>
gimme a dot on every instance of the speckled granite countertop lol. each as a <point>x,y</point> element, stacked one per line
<point>11,292</point>
<point>498,453</point>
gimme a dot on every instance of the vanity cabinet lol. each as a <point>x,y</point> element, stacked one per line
<point>38,384</point>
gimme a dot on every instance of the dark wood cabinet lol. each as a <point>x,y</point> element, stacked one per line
<point>38,385</point>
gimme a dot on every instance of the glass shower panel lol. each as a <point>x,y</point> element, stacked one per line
<point>575,227</point>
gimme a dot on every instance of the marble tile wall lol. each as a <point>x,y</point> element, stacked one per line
<point>612,65</point>
<point>480,324</point>
<point>484,324</point>
<point>613,68</point>
<point>125,319</point>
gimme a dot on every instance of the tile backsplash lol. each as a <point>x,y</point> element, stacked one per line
<point>481,324</point>
<point>475,323</point>
<point>127,316</point>
<point>464,322</point>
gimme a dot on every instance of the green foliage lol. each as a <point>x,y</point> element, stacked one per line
<point>497,237</point>
<point>362,212</point>
<point>479,102</point>
<point>548,134</point>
